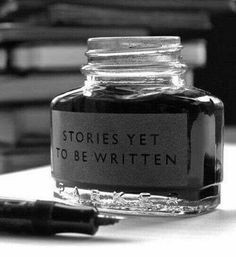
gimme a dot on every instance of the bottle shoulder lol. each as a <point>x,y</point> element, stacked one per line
<point>149,101</point>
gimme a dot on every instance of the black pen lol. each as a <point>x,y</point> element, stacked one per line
<point>48,217</point>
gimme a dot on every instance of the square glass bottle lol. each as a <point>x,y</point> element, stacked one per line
<point>135,139</point>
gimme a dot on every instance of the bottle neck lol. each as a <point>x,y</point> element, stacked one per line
<point>135,62</point>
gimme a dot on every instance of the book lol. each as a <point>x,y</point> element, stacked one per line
<point>25,121</point>
<point>194,53</point>
<point>214,6</point>
<point>16,32</point>
<point>36,87</point>
<point>3,59</point>
<point>48,57</point>
<point>153,19</point>
<point>19,158</point>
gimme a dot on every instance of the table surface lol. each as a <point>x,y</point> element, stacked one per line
<point>209,234</point>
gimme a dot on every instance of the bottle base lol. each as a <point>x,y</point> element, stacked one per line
<point>143,204</point>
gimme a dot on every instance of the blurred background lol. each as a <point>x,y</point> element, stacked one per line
<point>42,45</point>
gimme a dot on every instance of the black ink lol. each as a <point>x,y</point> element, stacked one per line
<point>79,137</point>
<point>145,155</point>
<point>89,138</point>
<point>132,155</point>
<point>170,159</point>
<point>105,138</point>
<point>157,159</point>
<point>155,136</point>
<point>100,156</point>
<point>114,158</point>
<point>184,100</point>
<point>131,137</point>
<point>143,139</point>
<point>71,133</point>
<point>80,156</point>
<point>84,156</point>
<point>115,139</point>
<point>64,135</point>
<point>64,153</point>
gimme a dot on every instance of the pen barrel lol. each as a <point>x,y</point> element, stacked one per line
<point>46,218</point>
<point>15,216</point>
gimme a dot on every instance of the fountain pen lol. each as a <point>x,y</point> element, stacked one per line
<point>49,217</point>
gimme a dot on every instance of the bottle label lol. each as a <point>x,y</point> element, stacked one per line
<point>136,150</point>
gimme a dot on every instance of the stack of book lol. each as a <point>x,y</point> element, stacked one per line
<point>42,46</point>
<point>37,62</point>
<point>25,117</point>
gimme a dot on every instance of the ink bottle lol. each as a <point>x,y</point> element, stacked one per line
<point>135,138</point>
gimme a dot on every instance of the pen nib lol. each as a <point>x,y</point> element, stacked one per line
<point>103,220</point>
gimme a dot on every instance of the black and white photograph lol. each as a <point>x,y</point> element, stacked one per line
<point>117,128</point>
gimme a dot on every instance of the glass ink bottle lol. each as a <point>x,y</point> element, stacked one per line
<point>135,138</point>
